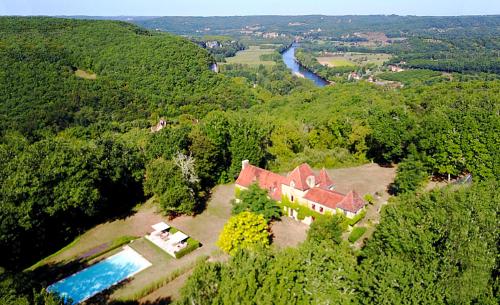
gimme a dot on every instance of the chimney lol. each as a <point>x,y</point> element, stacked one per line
<point>244,164</point>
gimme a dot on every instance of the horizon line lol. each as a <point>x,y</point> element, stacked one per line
<point>253,15</point>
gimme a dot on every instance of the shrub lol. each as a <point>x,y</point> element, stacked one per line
<point>326,229</point>
<point>369,198</point>
<point>237,192</point>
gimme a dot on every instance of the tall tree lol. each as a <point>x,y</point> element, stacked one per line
<point>249,139</point>
<point>174,192</point>
<point>256,200</point>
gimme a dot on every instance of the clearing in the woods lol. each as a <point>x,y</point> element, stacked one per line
<point>206,227</point>
<point>84,74</point>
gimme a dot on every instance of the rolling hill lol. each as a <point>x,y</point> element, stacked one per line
<point>57,73</point>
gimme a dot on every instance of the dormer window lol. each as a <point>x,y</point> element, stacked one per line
<point>311,181</point>
<point>292,184</point>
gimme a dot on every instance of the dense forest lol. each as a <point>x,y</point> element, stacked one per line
<point>428,249</point>
<point>78,99</point>
<point>333,26</point>
<point>138,74</point>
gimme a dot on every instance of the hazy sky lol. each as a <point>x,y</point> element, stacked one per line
<point>252,7</point>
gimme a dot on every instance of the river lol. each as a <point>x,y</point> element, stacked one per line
<point>292,64</point>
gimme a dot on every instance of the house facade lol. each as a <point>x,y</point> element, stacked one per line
<point>304,187</point>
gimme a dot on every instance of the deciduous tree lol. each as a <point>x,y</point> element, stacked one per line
<point>244,231</point>
<point>256,200</point>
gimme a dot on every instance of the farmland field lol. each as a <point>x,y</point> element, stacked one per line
<point>335,61</point>
<point>353,59</point>
<point>251,56</point>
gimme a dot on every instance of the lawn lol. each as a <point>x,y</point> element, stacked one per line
<point>138,224</point>
<point>353,59</point>
<point>204,228</point>
<point>251,57</point>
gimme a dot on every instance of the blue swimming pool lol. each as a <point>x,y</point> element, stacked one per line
<point>96,278</point>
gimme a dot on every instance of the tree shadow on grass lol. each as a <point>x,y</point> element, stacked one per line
<point>202,202</point>
<point>51,273</point>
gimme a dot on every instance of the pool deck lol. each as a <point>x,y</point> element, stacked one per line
<point>58,287</point>
<point>164,244</point>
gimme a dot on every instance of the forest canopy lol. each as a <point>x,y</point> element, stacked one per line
<point>80,101</point>
<point>138,75</point>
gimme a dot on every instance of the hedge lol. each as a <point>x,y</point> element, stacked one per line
<point>120,241</point>
<point>192,245</point>
<point>357,218</point>
<point>356,233</point>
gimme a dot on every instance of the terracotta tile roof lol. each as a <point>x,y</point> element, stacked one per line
<point>352,202</point>
<point>299,176</point>
<point>323,180</point>
<point>324,197</point>
<point>272,182</point>
<point>266,180</point>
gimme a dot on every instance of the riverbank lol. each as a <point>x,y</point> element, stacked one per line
<point>297,68</point>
